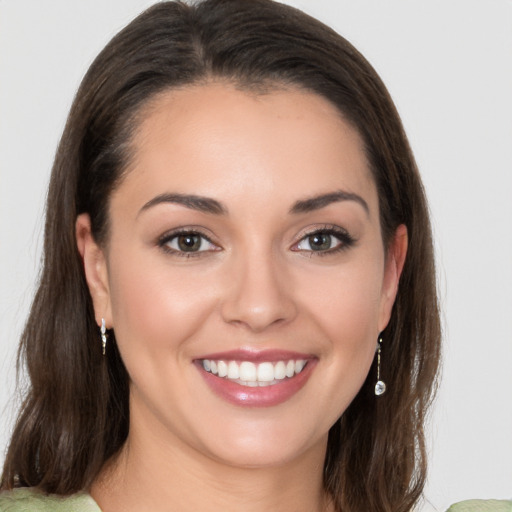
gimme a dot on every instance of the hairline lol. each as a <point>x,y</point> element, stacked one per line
<point>255,88</point>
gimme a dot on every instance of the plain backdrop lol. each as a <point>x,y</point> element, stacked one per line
<point>447,64</point>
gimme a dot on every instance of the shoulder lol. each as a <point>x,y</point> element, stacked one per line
<point>30,500</point>
<point>482,506</point>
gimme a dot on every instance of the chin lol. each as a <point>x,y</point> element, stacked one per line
<point>266,445</point>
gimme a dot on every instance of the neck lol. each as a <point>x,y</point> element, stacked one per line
<point>149,474</point>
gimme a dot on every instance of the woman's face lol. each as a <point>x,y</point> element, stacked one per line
<point>245,276</point>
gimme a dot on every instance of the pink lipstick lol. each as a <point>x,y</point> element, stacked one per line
<point>256,378</point>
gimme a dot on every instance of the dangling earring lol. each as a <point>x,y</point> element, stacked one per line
<point>380,387</point>
<point>103,336</point>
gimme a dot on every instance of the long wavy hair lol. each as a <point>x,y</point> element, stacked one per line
<point>75,414</point>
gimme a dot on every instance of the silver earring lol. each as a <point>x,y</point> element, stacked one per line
<point>103,336</point>
<point>380,387</point>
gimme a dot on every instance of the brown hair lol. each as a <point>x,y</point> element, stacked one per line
<point>75,415</point>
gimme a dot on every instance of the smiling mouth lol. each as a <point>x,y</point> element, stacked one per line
<point>247,373</point>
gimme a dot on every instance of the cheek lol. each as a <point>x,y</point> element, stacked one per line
<point>348,300</point>
<point>345,310</point>
<point>155,306</point>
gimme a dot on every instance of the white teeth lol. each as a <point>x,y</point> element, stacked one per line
<point>247,371</point>
<point>233,370</point>
<point>222,369</point>
<point>265,372</point>
<point>250,374</point>
<point>280,370</point>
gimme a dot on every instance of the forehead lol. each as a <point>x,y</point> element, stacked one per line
<point>217,140</point>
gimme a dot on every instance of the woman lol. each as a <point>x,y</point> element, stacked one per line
<point>238,263</point>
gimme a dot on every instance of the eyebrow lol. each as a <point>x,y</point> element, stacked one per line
<point>199,203</point>
<point>212,206</point>
<point>321,201</point>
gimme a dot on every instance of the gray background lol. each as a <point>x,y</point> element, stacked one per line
<point>448,65</point>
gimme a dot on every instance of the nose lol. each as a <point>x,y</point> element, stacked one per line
<point>260,295</point>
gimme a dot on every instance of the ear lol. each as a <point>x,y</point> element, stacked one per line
<point>395,260</point>
<point>95,268</point>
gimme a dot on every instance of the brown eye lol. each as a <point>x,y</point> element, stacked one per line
<point>189,242</point>
<point>320,241</point>
<point>328,240</point>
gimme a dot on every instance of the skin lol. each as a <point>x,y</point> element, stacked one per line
<point>257,285</point>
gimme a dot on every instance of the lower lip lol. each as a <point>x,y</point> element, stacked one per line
<point>266,396</point>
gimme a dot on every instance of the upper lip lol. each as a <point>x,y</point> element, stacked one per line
<point>256,356</point>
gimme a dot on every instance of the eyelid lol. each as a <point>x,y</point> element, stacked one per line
<point>345,238</point>
<point>164,239</point>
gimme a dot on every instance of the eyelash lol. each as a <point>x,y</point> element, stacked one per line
<point>165,239</point>
<point>345,239</point>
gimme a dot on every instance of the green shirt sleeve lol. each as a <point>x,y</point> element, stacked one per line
<point>482,506</point>
<point>29,500</point>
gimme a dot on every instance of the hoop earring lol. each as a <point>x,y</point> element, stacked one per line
<point>103,331</point>
<point>380,387</point>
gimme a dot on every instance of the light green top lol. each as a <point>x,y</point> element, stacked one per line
<point>28,500</point>
<point>482,506</point>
